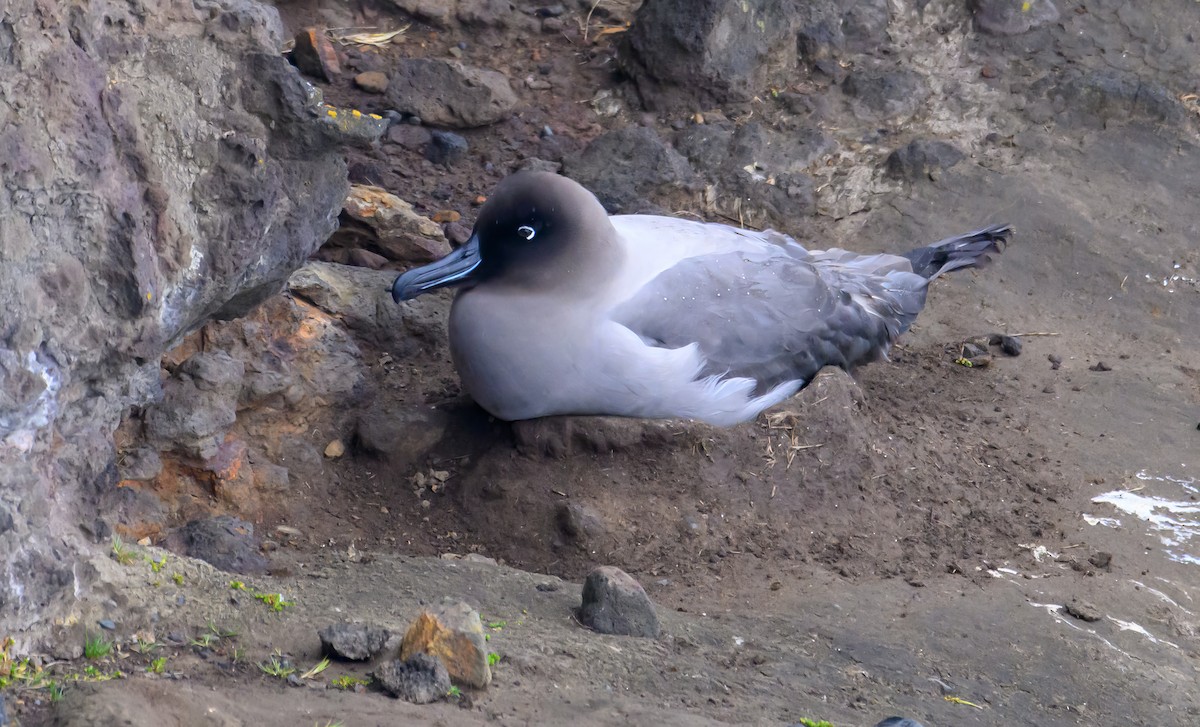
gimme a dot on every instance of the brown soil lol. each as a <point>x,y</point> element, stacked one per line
<point>884,544</point>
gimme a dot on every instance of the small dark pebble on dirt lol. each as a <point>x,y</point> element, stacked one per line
<point>1055,361</point>
<point>420,680</point>
<point>615,603</point>
<point>445,148</point>
<point>1083,611</point>
<point>107,624</point>
<point>1101,559</point>
<point>899,722</point>
<point>550,11</point>
<point>1100,366</point>
<point>356,642</point>
<point>1009,345</point>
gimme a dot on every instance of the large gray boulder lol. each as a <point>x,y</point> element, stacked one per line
<point>162,165</point>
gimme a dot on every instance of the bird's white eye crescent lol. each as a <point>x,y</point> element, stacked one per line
<point>526,232</point>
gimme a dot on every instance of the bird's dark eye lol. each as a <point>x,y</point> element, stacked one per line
<point>526,232</point>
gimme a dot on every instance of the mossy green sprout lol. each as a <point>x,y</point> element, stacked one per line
<point>95,646</point>
<point>121,552</point>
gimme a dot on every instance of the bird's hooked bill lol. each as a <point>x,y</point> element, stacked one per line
<point>454,269</point>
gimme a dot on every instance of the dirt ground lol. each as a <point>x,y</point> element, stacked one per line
<point>899,542</point>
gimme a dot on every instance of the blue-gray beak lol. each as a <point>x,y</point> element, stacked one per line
<point>454,269</point>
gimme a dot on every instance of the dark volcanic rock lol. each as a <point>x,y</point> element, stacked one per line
<point>446,93</point>
<point>356,642</point>
<point>708,52</point>
<point>918,158</point>
<point>1091,99</point>
<point>199,405</point>
<point>615,603</point>
<point>224,542</point>
<point>315,56</point>
<point>445,147</point>
<point>624,168</point>
<point>1012,17</point>
<point>421,679</point>
<point>886,93</point>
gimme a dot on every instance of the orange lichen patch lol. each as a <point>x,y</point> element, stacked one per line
<point>458,648</point>
<point>366,201</point>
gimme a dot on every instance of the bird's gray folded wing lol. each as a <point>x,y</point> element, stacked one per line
<point>773,317</point>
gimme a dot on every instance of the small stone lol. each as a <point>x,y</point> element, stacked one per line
<point>445,148</point>
<point>452,632</point>
<point>615,603</point>
<point>922,158</point>
<point>537,84</point>
<point>1101,559</point>
<point>443,216</point>
<point>1083,611</point>
<point>550,11</point>
<point>315,56</point>
<point>988,72</point>
<point>552,25</point>
<point>1009,345</point>
<point>546,132</point>
<point>356,642</point>
<point>335,449</point>
<point>457,233</point>
<point>1100,366</point>
<point>409,136</point>
<point>899,722</point>
<point>107,624</point>
<point>456,52</point>
<point>1055,361</point>
<point>372,81</point>
<point>420,679</point>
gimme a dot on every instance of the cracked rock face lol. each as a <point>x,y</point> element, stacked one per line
<point>153,178</point>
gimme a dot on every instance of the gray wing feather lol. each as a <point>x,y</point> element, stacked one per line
<point>773,316</point>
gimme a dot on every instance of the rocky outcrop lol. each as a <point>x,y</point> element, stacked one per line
<point>163,165</point>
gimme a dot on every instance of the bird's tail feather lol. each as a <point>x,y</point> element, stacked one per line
<point>973,249</point>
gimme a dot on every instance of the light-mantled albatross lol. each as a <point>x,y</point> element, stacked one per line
<point>563,309</point>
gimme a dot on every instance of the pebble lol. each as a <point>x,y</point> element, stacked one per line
<point>1101,559</point>
<point>444,216</point>
<point>453,632</point>
<point>353,641</point>
<point>421,679</point>
<point>372,82</point>
<point>1055,361</point>
<point>552,25</point>
<point>1083,611</point>
<point>550,11</point>
<point>899,722</point>
<point>1009,345</point>
<point>547,132</point>
<point>457,233</point>
<point>615,603</point>
<point>107,624</point>
<point>445,148</point>
<point>1100,366</point>
<point>335,449</point>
